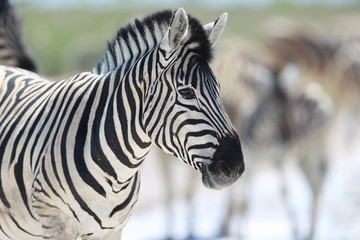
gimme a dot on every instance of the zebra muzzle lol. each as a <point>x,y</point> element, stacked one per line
<point>227,165</point>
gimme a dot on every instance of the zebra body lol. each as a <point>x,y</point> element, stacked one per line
<point>70,150</point>
<point>32,163</point>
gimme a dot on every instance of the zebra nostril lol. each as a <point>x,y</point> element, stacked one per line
<point>224,168</point>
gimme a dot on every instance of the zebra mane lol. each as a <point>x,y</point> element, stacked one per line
<point>137,38</point>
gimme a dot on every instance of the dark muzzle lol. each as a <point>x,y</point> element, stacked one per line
<point>227,164</point>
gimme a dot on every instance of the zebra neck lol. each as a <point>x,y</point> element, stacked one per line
<point>121,126</point>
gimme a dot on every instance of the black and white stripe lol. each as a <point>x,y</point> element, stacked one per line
<point>70,150</point>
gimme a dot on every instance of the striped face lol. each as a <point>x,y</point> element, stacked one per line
<point>184,116</point>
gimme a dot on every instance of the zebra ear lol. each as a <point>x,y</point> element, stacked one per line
<point>176,32</point>
<point>215,29</point>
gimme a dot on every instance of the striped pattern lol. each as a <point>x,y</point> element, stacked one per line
<point>70,150</point>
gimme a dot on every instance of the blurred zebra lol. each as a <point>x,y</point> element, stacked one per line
<point>70,150</point>
<point>332,59</point>
<point>328,58</point>
<point>310,47</point>
<point>293,121</point>
<point>13,51</point>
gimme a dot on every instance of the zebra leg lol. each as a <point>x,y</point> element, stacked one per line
<point>289,208</point>
<point>314,169</point>
<point>236,208</point>
<point>314,215</point>
<point>169,193</point>
<point>191,209</point>
<point>167,168</point>
<point>229,212</point>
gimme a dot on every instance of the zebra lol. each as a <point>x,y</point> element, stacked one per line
<point>70,150</point>
<point>13,51</point>
<point>309,46</point>
<point>330,59</point>
<point>291,122</point>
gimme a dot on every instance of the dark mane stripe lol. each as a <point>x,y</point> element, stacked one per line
<point>149,29</point>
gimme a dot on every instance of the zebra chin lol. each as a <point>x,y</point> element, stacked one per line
<point>227,165</point>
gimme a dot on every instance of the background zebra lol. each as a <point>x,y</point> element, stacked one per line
<point>329,59</point>
<point>13,51</point>
<point>70,150</point>
<point>291,123</point>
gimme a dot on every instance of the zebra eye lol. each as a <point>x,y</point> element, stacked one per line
<point>187,93</point>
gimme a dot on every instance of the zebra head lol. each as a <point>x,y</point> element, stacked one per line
<point>183,113</point>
